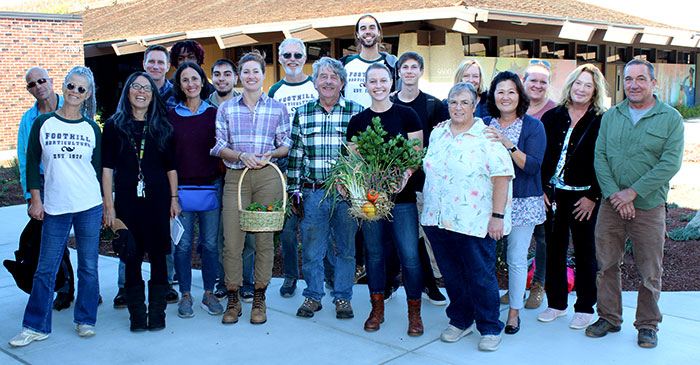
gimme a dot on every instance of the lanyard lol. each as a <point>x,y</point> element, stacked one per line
<point>139,153</point>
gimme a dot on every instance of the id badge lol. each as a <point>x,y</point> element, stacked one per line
<point>141,189</point>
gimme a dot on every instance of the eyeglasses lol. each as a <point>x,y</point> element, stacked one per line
<point>139,87</point>
<point>541,62</point>
<point>33,83</point>
<point>462,103</point>
<point>71,86</point>
<point>288,55</point>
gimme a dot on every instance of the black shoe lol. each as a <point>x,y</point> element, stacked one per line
<point>220,294</point>
<point>601,328</point>
<point>389,293</point>
<point>647,338</point>
<point>511,330</point>
<point>288,287</point>
<point>120,299</point>
<point>99,299</point>
<point>433,295</point>
<point>172,296</point>
<point>62,301</point>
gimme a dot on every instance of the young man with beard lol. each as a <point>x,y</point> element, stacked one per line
<point>368,34</point>
<point>223,73</point>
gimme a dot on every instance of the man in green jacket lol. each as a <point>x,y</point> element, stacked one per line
<point>639,149</point>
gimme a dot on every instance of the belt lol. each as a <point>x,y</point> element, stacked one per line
<point>313,186</point>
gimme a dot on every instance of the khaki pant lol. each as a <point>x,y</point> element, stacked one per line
<point>259,186</point>
<point>647,232</point>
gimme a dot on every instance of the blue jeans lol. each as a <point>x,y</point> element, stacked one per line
<point>467,264</point>
<point>404,231</point>
<point>207,241</point>
<point>54,236</point>
<point>290,247</point>
<point>327,220</point>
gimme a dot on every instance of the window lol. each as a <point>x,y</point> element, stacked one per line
<point>316,50</point>
<point>476,46</point>
<point>665,57</point>
<point>554,50</point>
<point>519,48</point>
<point>643,53</point>
<point>265,50</point>
<point>684,58</point>
<point>587,53</point>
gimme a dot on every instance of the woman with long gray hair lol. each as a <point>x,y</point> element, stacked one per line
<point>67,144</point>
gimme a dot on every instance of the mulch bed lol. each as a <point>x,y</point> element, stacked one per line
<point>681,259</point>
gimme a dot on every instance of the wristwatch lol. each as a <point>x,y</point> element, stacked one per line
<point>513,149</point>
<point>499,216</point>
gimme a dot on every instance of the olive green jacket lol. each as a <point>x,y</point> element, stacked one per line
<point>643,157</point>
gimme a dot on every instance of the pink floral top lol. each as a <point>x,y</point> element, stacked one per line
<point>458,192</point>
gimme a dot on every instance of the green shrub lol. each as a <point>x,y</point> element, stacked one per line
<point>688,111</point>
<point>14,168</point>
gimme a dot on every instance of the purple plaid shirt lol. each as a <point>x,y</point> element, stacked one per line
<point>259,132</point>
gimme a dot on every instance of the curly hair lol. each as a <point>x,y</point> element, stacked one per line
<point>187,46</point>
<point>600,87</point>
<point>523,99</point>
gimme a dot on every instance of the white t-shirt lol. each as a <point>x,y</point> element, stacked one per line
<point>356,67</point>
<point>293,95</point>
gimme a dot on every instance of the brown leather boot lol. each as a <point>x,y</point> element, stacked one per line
<point>376,316</point>
<point>233,308</point>
<point>415,323</point>
<point>257,314</point>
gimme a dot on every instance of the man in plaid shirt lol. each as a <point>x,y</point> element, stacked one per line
<point>318,131</point>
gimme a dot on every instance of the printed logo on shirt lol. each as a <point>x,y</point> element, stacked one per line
<point>68,142</point>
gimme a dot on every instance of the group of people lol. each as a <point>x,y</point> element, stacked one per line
<point>502,162</point>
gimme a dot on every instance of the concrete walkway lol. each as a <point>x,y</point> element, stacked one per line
<point>288,339</point>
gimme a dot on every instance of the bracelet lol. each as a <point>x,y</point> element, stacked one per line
<point>174,196</point>
<point>499,216</point>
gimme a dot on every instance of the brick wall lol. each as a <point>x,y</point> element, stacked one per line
<point>51,41</point>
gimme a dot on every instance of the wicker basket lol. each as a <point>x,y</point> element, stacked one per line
<point>383,204</point>
<point>252,221</point>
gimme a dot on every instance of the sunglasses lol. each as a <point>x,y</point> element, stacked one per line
<point>288,55</point>
<point>541,62</point>
<point>33,83</point>
<point>71,86</point>
<point>139,87</point>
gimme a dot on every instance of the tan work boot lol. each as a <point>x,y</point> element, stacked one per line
<point>257,313</point>
<point>233,308</point>
<point>536,295</point>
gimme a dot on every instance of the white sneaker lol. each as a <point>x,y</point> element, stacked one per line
<point>581,320</point>
<point>85,330</point>
<point>26,337</point>
<point>550,314</point>
<point>454,334</point>
<point>489,342</point>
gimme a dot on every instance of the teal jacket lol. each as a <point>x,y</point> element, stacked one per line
<point>643,157</point>
<point>25,126</point>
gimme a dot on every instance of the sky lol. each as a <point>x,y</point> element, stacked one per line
<point>679,13</point>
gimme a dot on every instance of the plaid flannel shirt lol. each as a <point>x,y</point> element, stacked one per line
<point>317,137</point>
<point>259,132</point>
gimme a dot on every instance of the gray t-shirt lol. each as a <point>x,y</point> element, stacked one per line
<point>637,114</point>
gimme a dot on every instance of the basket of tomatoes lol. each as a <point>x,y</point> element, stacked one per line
<point>374,206</point>
<point>257,217</point>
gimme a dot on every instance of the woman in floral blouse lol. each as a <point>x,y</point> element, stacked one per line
<point>464,224</point>
<point>524,138</point>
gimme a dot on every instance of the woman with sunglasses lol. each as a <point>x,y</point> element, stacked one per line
<point>138,156</point>
<point>524,138</point>
<point>536,80</point>
<point>572,192</point>
<point>67,144</point>
<point>470,71</point>
<point>194,124</point>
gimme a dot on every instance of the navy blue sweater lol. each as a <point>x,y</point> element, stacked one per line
<point>533,142</point>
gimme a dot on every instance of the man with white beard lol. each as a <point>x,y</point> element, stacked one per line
<point>294,90</point>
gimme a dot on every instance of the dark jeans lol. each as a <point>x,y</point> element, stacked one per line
<point>540,254</point>
<point>404,231</point>
<point>582,233</point>
<point>467,266</point>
